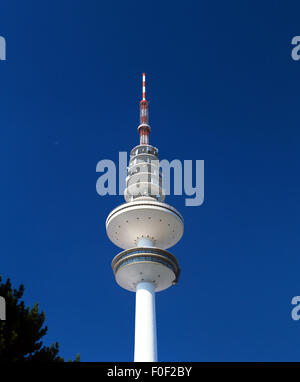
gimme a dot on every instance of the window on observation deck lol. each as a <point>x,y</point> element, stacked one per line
<point>140,259</point>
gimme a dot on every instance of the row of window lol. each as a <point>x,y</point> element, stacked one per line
<point>146,169</point>
<point>152,183</point>
<point>145,258</point>
<point>160,198</point>
<point>146,250</point>
<point>144,149</point>
<point>142,158</point>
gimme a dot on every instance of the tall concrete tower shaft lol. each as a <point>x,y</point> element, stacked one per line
<point>144,227</point>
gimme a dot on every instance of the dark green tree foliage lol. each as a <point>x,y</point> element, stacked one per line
<point>21,332</point>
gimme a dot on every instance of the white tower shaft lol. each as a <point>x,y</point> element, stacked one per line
<point>145,347</point>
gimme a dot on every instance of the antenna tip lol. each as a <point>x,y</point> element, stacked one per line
<point>144,86</point>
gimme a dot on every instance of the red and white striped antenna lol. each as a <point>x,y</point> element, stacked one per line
<point>144,128</point>
<point>144,86</point>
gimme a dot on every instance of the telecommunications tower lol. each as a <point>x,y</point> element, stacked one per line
<point>144,227</point>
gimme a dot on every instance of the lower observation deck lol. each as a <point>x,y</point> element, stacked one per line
<point>149,264</point>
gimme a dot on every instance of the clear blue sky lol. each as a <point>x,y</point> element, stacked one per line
<point>222,87</point>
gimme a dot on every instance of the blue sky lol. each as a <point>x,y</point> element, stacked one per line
<point>222,87</point>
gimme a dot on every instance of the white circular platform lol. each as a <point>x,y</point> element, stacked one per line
<point>159,275</point>
<point>147,218</point>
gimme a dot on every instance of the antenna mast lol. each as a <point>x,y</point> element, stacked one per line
<point>144,128</point>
